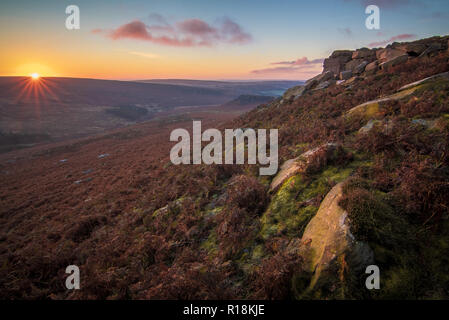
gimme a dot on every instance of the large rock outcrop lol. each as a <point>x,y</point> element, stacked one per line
<point>342,63</point>
<point>336,62</point>
<point>345,64</point>
<point>328,237</point>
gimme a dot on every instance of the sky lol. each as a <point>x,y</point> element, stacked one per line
<point>201,39</point>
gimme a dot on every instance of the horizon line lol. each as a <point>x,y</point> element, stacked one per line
<point>155,79</point>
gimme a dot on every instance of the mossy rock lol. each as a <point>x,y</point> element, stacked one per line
<point>294,204</point>
<point>328,239</point>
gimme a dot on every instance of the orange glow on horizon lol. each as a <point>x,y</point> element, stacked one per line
<point>35,76</point>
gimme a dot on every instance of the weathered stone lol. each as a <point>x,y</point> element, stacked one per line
<point>412,49</point>
<point>351,65</point>
<point>328,237</point>
<point>321,77</point>
<point>336,62</point>
<point>325,84</point>
<point>444,75</point>
<point>360,68</point>
<point>428,123</point>
<point>432,49</point>
<point>364,53</point>
<point>342,53</point>
<point>395,61</point>
<point>373,109</point>
<point>293,92</point>
<point>388,54</point>
<point>326,78</point>
<point>369,126</point>
<point>301,164</point>
<point>370,109</point>
<point>288,169</point>
<point>385,125</point>
<point>352,80</point>
<point>372,67</point>
<point>345,75</point>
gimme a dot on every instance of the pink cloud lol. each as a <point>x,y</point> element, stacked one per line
<point>196,27</point>
<point>302,67</point>
<point>133,30</point>
<point>405,36</point>
<point>299,62</point>
<point>186,33</point>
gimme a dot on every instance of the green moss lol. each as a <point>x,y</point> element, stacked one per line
<point>297,201</point>
<point>211,244</point>
<point>258,252</point>
<point>366,110</point>
<point>398,243</point>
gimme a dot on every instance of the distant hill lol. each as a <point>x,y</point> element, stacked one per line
<point>111,92</point>
<point>247,102</point>
<point>263,87</point>
<point>63,108</point>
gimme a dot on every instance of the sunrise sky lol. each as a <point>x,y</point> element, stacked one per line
<point>201,39</point>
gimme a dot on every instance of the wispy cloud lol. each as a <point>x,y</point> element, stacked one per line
<point>185,33</point>
<point>300,62</point>
<point>303,67</point>
<point>404,36</point>
<point>144,54</point>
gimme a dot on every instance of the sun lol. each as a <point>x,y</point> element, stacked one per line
<point>35,76</point>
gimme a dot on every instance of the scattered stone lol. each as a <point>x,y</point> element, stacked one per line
<point>361,67</point>
<point>293,92</point>
<point>352,80</point>
<point>372,67</point>
<point>301,164</point>
<point>395,61</point>
<point>345,75</point>
<point>387,54</point>
<point>325,84</point>
<point>320,81</point>
<point>425,123</point>
<point>321,77</point>
<point>104,155</point>
<point>63,160</point>
<point>351,65</point>
<point>369,126</point>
